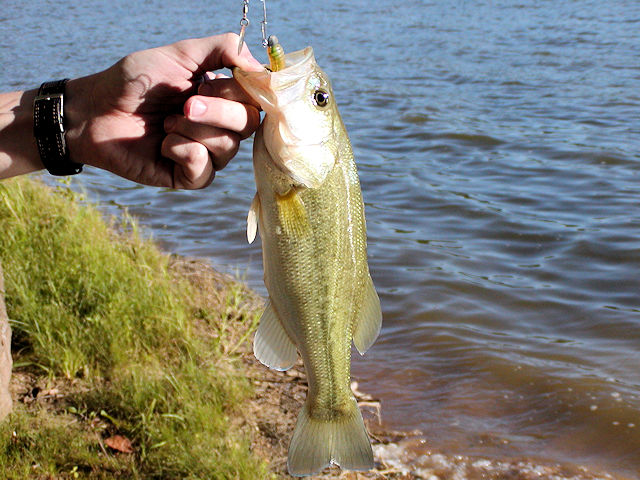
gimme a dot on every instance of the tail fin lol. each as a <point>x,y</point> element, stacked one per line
<point>318,442</point>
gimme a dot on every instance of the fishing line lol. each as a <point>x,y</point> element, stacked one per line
<point>244,23</point>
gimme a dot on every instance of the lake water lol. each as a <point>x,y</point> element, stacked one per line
<point>498,145</point>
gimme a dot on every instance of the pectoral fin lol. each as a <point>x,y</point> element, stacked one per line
<point>292,214</point>
<point>369,320</point>
<point>271,345</point>
<point>252,218</point>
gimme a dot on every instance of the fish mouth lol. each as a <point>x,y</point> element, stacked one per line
<point>305,160</point>
<point>295,64</point>
<point>262,86</point>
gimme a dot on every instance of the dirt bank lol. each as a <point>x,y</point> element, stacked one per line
<point>269,417</point>
<point>278,397</point>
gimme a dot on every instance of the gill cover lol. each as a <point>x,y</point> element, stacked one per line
<point>298,127</point>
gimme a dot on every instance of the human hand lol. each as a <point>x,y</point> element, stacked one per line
<point>147,119</point>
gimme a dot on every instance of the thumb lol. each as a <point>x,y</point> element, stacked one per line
<point>213,53</point>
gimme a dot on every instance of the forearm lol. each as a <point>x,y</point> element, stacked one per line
<point>18,149</point>
<point>115,119</point>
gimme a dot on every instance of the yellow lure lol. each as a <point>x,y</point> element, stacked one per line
<point>275,53</point>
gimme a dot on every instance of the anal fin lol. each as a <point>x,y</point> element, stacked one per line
<point>272,345</point>
<point>369,320</point>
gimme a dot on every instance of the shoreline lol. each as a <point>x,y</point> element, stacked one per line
<point>399,455</point>
<point>271,412</point>
<point>221,312</point>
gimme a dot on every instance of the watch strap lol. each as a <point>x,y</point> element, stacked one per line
<point>48,128</point>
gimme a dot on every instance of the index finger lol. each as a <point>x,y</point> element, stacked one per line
<point>211,53</point>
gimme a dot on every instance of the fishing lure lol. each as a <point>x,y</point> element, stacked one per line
<point>275,53</point>
<point>244,23</point>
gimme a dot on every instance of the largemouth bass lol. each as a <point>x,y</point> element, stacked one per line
<point>310,214</point>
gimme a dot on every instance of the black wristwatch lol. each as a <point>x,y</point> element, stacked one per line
<point>48,128</point>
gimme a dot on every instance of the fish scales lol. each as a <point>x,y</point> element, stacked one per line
<point>309,266</point>
<point>310,214</point>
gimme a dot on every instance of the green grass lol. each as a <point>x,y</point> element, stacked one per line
<point>136,349</point>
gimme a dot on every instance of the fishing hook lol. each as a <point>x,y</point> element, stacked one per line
<point>244,23</point>
<point>265,41</point>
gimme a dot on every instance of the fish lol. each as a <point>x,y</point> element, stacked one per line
<point>309,212</point>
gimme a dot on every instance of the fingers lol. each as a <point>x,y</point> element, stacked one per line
<point>207,136</point>
<point>222,114</point>
<point>193,167</point>
<point>212,53</point>
<point>219,143</point>
<point>215,124</point>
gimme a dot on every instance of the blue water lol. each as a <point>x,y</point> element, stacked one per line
<point>498,148</point>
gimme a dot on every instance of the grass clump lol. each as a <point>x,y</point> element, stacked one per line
<point>131,348</point>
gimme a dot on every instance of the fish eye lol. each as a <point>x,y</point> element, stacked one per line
<point>321,98</point>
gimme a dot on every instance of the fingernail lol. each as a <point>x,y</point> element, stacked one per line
<point>169,123</point>
<point>197,108</point>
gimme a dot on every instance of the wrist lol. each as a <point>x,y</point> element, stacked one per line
<point>18,149</point>
<point>77,105</point>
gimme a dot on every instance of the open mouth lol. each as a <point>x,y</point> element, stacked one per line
<point>261,86</point>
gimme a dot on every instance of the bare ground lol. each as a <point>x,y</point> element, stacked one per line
<point>270,416</point>
<point>278,397</point>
